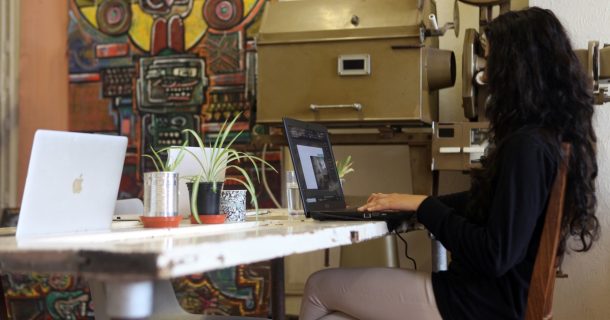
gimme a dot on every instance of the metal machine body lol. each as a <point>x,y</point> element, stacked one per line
<point>459,145</point>
<point>474,91</point>
<point>350,63</point>
<point>596,61</point>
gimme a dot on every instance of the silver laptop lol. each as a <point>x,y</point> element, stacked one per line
<point>128,210</point>
<point>72,183</point>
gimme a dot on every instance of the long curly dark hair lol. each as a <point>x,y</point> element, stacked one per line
<point>536,81</point>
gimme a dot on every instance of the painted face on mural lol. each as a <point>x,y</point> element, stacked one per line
<point>177,81</point>
<point>167,7</point>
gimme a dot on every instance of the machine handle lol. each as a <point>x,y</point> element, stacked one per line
<point>450,150</point>
<point>355,106</point>
<point>477,149</point>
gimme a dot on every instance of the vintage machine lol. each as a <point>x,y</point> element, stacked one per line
<point>474,92</point>
<point>457,146</point>
<point>351,62</point>
<point>596,60</point>
<point>460,145</point>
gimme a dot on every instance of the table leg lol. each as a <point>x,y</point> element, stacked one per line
<point>439,253</point>
<point>439,256</point>
<point>161,297</point>
<point>122,299</point>
<point>278,296</point>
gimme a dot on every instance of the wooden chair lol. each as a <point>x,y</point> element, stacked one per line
<point>540,296</point>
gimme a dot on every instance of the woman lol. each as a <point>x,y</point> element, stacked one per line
<point>539,98</point>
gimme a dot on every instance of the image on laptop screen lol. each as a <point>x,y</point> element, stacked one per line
<point>314,165</point>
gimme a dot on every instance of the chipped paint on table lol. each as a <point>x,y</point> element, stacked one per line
<point>131,252</point>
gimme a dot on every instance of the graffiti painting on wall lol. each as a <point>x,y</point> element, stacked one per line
<point>46,296</point>
<point>242,290</point>
<point>147,69</point>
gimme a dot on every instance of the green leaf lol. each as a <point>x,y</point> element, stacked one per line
<point>345,166</point>
<point>153,160</point>
<point>221,156</point>
<point>195,191</point>
<point>160,162</point>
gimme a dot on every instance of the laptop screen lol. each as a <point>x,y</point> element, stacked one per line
<point>314,165</point>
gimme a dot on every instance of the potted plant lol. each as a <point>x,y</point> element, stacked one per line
<point>205,187</point>
<point>161,191</point>
<point>344,167</point>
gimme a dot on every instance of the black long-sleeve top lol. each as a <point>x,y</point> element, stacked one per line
<point>492,263</point>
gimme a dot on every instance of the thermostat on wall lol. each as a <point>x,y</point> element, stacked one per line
<point>354,65</point>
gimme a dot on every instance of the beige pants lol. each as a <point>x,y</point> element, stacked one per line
<point>369,294</point>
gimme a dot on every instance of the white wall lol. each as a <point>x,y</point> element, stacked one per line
<point>586,293</point>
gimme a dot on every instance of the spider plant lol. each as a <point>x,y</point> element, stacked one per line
<point>167,165</point>
<point>220,157</point>
<point>345,166</point>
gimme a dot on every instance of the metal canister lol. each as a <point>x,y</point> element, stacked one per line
<point>160,194</point>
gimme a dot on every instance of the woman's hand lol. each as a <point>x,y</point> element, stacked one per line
<point>392,201</point>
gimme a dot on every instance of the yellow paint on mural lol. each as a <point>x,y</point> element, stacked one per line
<point>90,14</point>
<point>140,29</point>
<point>195,25</point>
<point>248,5</point>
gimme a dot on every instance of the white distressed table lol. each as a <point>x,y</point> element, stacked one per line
<point>129,267</point>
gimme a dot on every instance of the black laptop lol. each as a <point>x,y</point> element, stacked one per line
<point>318,179</point>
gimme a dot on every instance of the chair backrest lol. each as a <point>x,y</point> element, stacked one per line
<point>540,295</point>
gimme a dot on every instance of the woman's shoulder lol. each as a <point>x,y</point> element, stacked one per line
<point>529,140</point>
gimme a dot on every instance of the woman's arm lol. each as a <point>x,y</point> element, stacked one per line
<point>457,201</point>
<point>410,202</point>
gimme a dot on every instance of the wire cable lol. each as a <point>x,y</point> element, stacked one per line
<point>265,184</point>
<point>407,250</point>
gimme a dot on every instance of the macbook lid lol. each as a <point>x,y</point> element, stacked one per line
<point>72,183</point>
<point>314,165</point>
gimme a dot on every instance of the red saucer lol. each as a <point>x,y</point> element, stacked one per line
<point>161,222</point>
<point>210,218</point>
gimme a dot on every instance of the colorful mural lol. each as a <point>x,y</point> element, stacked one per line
<point>243,290</point>
<point>147,69</point>
<point>44,296</point>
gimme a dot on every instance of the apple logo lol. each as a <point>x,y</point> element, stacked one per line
<point>77,185</point>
